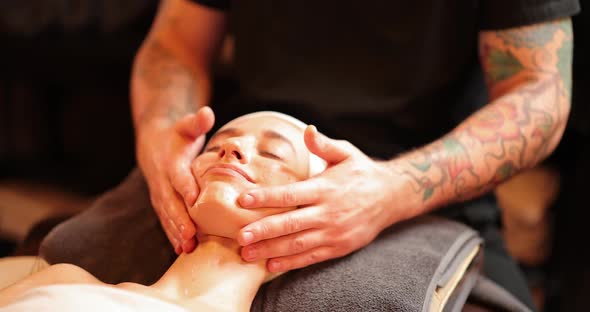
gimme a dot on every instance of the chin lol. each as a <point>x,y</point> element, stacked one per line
<point>217,212</point>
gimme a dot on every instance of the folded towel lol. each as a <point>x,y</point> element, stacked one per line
<point>400,271</point>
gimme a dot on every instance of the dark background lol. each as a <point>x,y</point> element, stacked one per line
<point>65,117</point>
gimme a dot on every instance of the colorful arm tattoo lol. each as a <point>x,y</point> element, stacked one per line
<point>528,73</point>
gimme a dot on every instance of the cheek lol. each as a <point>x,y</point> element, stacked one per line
<point>273,173</point>
<point>199,165</point>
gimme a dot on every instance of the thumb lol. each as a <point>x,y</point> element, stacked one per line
<point>330,150</point>
<point>195,125</point>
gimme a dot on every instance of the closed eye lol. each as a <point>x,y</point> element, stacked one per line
<point>270,155</point>
<point>212,149</point>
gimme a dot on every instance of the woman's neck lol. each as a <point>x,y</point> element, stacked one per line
<point>215,274</point>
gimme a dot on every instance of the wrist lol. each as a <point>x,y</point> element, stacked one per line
<point>402,187</point>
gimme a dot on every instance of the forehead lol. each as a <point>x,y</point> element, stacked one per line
<point>260,125</point>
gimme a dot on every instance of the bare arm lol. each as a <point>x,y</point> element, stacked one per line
<point>171,74</point>
<point>528,73</point>
<point>170,82</point>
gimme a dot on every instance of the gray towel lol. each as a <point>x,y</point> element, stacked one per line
<point>117,239</point>
<point>399,271</point>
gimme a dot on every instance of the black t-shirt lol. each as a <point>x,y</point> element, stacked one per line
<point>385,75</point>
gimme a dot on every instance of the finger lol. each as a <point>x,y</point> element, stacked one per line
<point>281,224</point>
<point>195,125</point>
<point>332,151</point>
<point>178,216</point>
<point>301,260</point>
<point>177,246</point>
<point>171,238</point>
<point>184,183</point>
<point>156,198</point>
<point>168,230</point>
<point>290,195</point>
<point>205,119</point>
<point>189,245</point>
<point>283,246</point>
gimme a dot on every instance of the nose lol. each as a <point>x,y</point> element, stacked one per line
<point>234,149</point>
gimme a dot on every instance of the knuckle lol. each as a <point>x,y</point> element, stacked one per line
<point>172,226</point>
<point>329,187</point>
<point>292,224</point>
<point>322,220</point>
<point>180,221</point>
<point>345,144</point>
<point>298,244</point>
<point>335,218</point>
<point>288,198</point>
<point>313,257</point>
<point>264,230</point>
<point>345,243</point>
<point>357,169</point>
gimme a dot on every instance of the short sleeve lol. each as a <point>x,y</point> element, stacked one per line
<point>501,14</point>
<point>216,4</point>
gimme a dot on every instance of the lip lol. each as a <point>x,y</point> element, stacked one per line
<point>229,169</point>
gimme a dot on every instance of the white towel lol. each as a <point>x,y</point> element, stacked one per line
<point>87,298</point>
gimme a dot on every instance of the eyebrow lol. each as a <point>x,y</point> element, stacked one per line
<point>227,132</point>
<point>271,134</point>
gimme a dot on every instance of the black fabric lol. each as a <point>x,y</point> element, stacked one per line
<point>216,4</point>
<point>388,70</point>
<point>498,14</point>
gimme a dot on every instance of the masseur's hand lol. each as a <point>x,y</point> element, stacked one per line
<point>342,209</point>
<point>164,154</point>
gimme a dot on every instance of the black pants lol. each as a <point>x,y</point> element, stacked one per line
<point>119,239</point>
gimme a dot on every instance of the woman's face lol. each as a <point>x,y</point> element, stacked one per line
<point>245,154</point>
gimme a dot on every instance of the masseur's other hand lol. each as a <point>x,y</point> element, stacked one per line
<point>164,153</point>
<point>342,209</point>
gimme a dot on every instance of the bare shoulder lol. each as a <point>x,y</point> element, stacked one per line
<point>55,274</point>
<point>69,273</point>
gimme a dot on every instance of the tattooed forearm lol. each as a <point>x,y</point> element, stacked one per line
<point>159,68</point>
<point>528,72</point>
<point>168,84</point>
